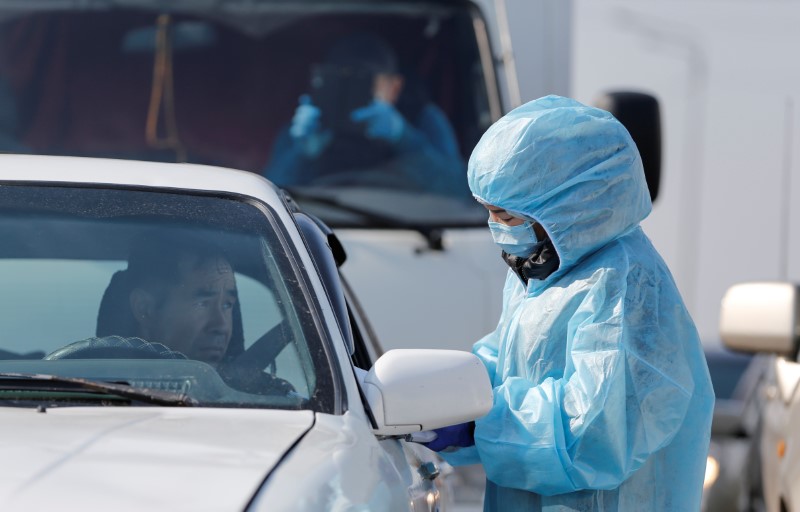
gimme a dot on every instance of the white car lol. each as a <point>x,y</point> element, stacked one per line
<point>762,317</point>
<point>248,394</point>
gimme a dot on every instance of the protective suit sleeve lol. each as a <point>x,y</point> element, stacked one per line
<point>284,161</point>
<point>487,347</point>
<point>624,394</point>
<point>432,122</point>
<point>292,160</point>
<point>432,170</point>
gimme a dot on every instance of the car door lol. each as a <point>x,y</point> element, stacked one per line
<point>427,475</point>
<point>423,471</point>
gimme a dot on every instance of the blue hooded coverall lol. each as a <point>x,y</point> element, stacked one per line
<point>426,156</point>
<point>602,397</point>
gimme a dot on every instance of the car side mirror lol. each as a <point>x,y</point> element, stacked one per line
<point>760,317</point>
<point>410,390</point>
<point>639,113</point>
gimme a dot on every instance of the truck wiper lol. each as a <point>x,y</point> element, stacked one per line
<point>433,235</point>
<point>371,216</point>
<point>43,382</point>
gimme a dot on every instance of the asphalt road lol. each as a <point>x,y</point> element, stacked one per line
<point>468,486</point>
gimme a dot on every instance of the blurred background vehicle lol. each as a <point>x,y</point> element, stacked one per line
<point>216,83</point>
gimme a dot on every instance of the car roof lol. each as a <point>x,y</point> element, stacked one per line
<point>135,173</point>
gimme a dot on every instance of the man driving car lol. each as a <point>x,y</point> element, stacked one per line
<point>178,291</point>
<point>185,299</point>
<point>177,300</point>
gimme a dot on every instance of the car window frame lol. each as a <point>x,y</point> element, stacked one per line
<point>333,376</point>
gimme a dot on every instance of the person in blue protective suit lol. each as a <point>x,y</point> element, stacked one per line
<point>363,124</point>
<point>9,121</point>
<point>602,397</point>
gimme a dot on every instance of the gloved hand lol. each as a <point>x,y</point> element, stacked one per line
<point>461,435</point>
<point>306,129</point>
<point>306,118</point>
<point>381,120</point>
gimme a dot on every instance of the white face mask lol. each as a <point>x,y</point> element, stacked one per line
<point>515,240</point>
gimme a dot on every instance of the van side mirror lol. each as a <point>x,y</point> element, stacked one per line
<point>760,317</point>
<point>640,114</point>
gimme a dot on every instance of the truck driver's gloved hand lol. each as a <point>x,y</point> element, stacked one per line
<point>306,128</point>
<point>461,435</point>
<point>306,118</point>
<point>381,121</point>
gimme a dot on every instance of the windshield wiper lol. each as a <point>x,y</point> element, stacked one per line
<point>43,382</point>
<point>432,235</point>
<point>370,216</point>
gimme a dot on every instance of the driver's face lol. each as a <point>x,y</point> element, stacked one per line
<point>196,317</point>
<point>387,87</point>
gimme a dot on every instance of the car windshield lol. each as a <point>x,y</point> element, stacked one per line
<point>123,297</point>
<point>394,96</point>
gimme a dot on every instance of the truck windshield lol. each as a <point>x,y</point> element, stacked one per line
<point>365,111</point>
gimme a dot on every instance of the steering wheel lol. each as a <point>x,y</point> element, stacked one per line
<point>114,347</point>
<point>246,372</point>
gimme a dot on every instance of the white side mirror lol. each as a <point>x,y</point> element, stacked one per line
<point>760,317</point>
<point>410,390</point>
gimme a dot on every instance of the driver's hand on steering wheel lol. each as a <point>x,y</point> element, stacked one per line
<point>251,379</point>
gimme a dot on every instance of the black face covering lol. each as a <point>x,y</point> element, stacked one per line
<point>540,264</point>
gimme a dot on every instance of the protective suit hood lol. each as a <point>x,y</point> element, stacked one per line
<point>573,168</point>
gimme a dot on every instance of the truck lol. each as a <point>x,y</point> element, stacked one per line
<point>218,83</point>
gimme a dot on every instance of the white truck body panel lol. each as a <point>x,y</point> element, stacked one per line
<point>725,74</point>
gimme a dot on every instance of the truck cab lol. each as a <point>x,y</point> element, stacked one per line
<point>220,83</point>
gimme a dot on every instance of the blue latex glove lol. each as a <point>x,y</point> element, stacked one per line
<point>306,129</point>
<point>461,435</point>
<point>381,120</point>
<point>306,119</point>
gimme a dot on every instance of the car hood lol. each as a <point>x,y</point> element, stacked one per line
<point>143,458</point>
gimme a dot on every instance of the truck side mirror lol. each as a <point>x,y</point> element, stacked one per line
<point>639,113</point>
